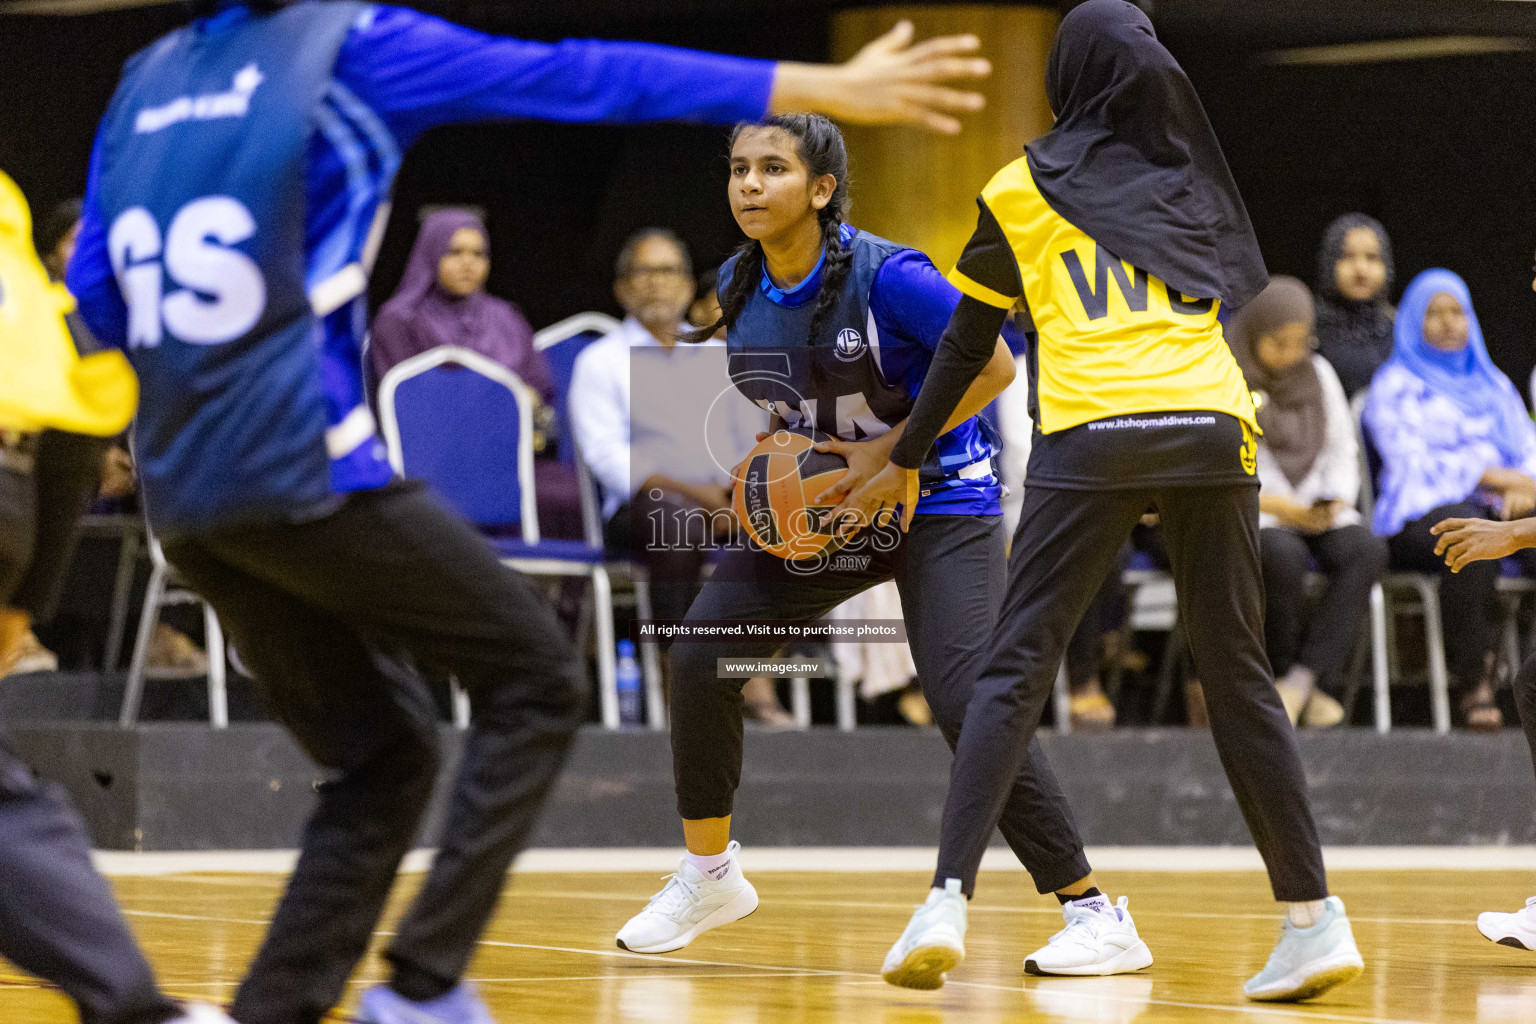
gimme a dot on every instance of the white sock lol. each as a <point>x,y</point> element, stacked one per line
<point>713,865</point>
<point>935,894</point>
<point>1305,915</point>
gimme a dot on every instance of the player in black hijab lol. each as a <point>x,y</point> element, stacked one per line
<point>1123,234</point>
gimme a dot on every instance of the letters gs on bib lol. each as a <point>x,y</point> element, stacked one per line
<point>188,281</point>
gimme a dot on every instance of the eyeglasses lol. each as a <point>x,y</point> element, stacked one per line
<point>674,270</point>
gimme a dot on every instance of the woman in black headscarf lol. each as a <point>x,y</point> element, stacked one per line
<point>1309,482</point>
<point>1123,232</point>
<point>1354,318</point>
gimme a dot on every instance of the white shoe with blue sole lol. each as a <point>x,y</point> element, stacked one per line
<point>1309,961</point>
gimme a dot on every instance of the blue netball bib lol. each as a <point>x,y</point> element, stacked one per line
<point>202,156</point>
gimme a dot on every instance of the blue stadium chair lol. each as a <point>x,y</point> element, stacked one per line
<point>561,343</point>
<point>464,424</point>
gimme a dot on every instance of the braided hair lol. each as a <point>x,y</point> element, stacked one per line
<point>819,145</point>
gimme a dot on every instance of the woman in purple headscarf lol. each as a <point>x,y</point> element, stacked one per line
<point>442,301</point>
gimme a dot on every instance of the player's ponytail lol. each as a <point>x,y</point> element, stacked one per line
<point>819,144</point>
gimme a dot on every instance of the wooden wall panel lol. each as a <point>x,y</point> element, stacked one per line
<point>919,187</point>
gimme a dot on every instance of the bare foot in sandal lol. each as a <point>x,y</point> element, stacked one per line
<point>1479,710</point>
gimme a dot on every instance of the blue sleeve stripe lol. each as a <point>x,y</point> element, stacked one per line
<point>341,245</point>
<point>372,126</point>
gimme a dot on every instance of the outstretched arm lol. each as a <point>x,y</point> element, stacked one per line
<point>1463,541</point>
<point>416,72</point>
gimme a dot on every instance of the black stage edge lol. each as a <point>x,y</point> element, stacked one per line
<point>185,786</point>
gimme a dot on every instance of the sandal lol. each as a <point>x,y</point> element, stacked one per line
<point>1479,712</point>
<point>1321,712</point>
<point>1092,712</point>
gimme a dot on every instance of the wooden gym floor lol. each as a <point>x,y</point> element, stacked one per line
<point>812,952</point>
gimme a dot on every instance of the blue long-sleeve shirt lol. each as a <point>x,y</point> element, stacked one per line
<point>398,74</point>
<point>910,304</point>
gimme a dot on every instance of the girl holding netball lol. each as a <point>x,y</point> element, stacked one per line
<point>1122,231</point>
<point>831,328</point>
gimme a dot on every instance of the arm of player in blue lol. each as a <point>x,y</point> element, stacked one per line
<point>417,71</point>
<point>414,72</point>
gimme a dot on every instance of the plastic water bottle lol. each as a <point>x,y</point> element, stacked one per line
<point>627,680</point>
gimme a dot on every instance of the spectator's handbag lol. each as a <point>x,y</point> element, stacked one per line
<point>44,382</point>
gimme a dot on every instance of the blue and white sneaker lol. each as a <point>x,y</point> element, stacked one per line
<point>1517,930</point>
<point>933,943</point>
<point>1309,961</point>
<point>461,1005</point>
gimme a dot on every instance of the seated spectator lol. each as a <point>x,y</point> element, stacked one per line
<point>68,467</point>
<point>442,300</point>
<point>660,424</point>
<point>1309,484</point>
<point>1354,318</point>
<point>880,668</point>
<point>1097,639</point>
<point>1455,442</point>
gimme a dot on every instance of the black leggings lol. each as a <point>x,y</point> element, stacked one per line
<point>950,572</point>
<point>321,613</point>
<point>1353,560</point>
<point>1469,603</point>
<point>1066,542</point>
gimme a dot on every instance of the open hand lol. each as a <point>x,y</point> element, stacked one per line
<point>1463,541</point>
<point>1519,499</point>
<point>890,81</point>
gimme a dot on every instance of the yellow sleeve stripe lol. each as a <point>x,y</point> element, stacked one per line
<point>980,292</point>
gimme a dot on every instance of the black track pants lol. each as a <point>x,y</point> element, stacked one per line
<point>1067,540</point>
<point>950,572</point>
<point>320,612</point>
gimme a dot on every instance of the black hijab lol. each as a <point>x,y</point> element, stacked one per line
<point>1132,161</point>
<point>1355,337</point>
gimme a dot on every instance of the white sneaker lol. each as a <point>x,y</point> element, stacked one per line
<point>689,905</point>
<point>1100,938</point>
<point>933,943</point>
<point>201,1013</point>
<point>1517,929</point>
<point>1309,961</point>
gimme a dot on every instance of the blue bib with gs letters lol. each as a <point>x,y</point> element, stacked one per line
<point>201,185</point>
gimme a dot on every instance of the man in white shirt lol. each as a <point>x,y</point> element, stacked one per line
<point>660,424</point>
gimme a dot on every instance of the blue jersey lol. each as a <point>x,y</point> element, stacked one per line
<point>860,376</point>
<point>395,74</point>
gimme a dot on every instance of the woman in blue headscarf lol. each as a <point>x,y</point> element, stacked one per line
<point>1455,442</point>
